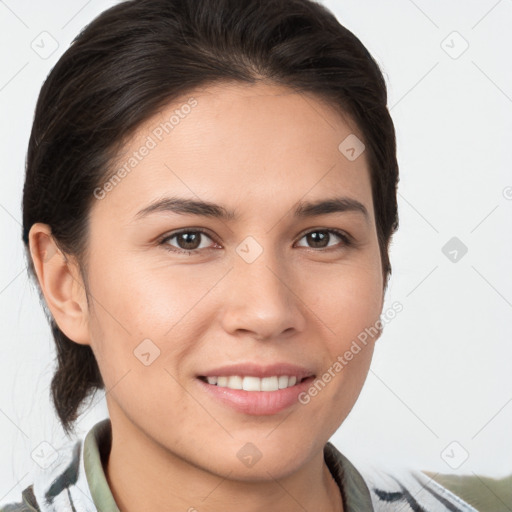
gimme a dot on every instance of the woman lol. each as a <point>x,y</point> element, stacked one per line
<point>209,200</point>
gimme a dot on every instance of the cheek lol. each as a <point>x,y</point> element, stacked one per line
<point>347,299</point>
<point>134,304</point>
<point>145,301</point>
<point>349,310</point>
<point>348,302</point>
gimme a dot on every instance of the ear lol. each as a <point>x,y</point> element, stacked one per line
<point>61,284</point>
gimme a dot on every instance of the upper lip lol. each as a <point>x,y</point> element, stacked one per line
<point>257,370</point>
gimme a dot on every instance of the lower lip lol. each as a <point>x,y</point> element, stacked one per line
<point>257,403</point>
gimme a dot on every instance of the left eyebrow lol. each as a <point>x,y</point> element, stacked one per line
<point>328,206</point>
<point>185,206</point>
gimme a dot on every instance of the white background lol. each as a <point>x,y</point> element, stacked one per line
<point>442,369</point>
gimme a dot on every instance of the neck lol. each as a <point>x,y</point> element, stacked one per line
<point>150,477</point>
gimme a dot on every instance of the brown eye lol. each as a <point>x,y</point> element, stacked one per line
<point>320,238</point>
<point>189,240</point>
<point>186,241</point>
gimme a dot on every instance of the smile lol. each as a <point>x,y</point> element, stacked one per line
<point>250,383</point>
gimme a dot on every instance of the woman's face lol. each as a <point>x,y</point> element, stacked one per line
<point>265,287</point>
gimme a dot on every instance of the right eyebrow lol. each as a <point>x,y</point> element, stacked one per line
<point>185,206</point>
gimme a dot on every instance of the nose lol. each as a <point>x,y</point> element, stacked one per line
<point>261,301</point>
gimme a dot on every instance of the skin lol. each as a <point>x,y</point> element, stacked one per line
<point>257,149</point>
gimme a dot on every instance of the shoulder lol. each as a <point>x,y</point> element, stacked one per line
<point>483,492</point>
<point>63,485</point>
<point>27,502</point>
<point>388,489</point>
<point>413,490</point>
<point>435,491</point>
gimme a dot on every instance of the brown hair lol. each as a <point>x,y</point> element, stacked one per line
<point>142,54</point>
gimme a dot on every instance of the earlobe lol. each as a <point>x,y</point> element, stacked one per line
<point>61,284</point>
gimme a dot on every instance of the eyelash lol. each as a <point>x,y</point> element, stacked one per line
<point>347,241</point>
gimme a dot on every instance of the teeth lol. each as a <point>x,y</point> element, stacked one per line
<point>269,384</point>
<point>253,383</point>
<point>250,384</point>
<point>234,382</point>
<point>282,381</point>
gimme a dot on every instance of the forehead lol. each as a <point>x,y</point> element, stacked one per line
<point>232,142</point>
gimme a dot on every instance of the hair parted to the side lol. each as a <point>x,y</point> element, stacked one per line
<point>138,56</point>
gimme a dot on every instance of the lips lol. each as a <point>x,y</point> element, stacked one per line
<point>254,389</point>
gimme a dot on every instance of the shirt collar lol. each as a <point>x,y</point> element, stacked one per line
<point>96,449</point>
<point>355,493</point>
